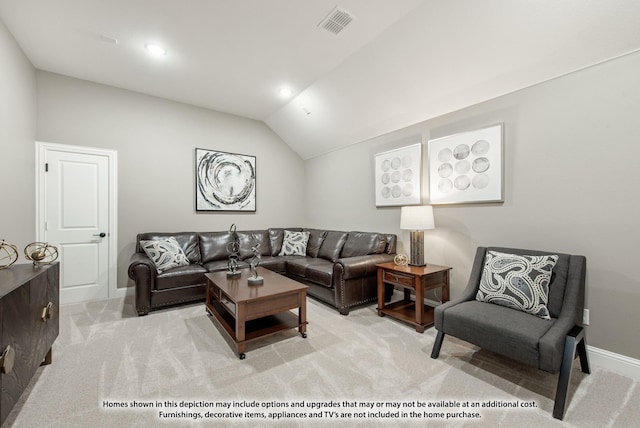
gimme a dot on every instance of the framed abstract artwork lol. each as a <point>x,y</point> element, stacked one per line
<point>225,181</point>
<point>467,167</point>
<point>398,174</point>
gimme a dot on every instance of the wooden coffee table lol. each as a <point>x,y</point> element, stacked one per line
<point>249,312</point>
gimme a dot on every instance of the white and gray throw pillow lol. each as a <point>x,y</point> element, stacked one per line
<point>517,281</point>
<point>165,253</point>
<point>294,243</point>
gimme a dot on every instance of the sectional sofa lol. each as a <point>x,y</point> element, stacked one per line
<point>339,267</point>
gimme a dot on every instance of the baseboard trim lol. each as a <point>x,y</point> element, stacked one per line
<point>618,363</point>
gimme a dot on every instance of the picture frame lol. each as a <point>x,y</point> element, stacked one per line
<point>398,176</point>
<point>467,167</point>
<point>225,181</point>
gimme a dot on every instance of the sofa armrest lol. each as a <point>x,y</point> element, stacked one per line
<point>143,272</point>
<point>359,266</point>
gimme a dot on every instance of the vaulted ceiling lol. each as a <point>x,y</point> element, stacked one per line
<point>398,62</point>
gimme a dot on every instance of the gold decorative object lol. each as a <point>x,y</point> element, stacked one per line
<point>400,260</point>
<point>41,253</point>
<point>8,254</point>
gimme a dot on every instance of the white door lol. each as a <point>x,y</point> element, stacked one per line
<point>75,216</point>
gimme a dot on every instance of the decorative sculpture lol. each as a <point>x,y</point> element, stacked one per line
<point>8,254</point>
<point>233,248</point>
<point>41,253</point>
<point>255,261</point>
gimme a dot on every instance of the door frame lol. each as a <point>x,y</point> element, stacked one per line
<point>112,155</point>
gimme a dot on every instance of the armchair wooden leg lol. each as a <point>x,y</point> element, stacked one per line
<point>584,358</point>
<point>435,352</point>
<point>574,341</point>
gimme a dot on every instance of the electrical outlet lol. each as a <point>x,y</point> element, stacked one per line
<point>585,317</point>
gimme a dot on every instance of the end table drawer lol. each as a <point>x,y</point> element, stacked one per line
<point>397,278</point>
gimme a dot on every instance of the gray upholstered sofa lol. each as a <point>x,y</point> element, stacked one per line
<point>339,267</point>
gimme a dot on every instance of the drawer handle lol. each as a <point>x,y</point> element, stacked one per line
<point>47,312</point>
<point>7,359</point>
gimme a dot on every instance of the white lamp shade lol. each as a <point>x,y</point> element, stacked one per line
<point>417,218</point>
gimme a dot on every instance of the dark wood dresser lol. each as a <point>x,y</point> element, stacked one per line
<point>29,324</point>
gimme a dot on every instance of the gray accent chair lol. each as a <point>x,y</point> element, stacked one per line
<point>549,345</point>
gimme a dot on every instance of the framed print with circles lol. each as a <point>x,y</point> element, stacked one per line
<point>398,175</point>
<point>467,167</point>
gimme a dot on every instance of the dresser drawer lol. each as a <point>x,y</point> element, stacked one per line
<point>397,278</point>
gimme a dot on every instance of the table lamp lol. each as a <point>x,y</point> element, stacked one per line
<point>417,219</point>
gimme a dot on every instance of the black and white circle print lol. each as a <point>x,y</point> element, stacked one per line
<point>464,167</point>
<point>226,180</point>
<point>397,177</point>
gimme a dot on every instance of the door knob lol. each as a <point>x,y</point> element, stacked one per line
<point>101,234</point>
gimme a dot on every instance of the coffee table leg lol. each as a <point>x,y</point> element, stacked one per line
<point>302,314</point>
<point>240,330</point>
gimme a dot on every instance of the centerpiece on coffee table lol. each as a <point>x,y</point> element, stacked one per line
<point>233,248</point>
<point>255,261</point>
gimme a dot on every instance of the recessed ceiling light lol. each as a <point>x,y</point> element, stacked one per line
<point>285,92</point>
<point>155,50</point>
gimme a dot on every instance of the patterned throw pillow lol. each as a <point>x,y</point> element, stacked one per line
<point>294,243</point>
<point>517,281</point>
<point>165,253</point>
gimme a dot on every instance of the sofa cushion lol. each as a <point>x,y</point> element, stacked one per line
<point>218,265</point>
<point>320,271</point>
<point>213,245</point>
<point>332,245</point>
<point>294,243</point>
<point>276,235</point>
<point>248,239</point>
<point>183,276</point>
<point>317,270</point>
<point>362,244</point>
<point>517,281</point>
<point>316,237</point>
<point>275,263</point>
<point>390,246</point>
<point>188,242</point>
<point>297,266</point>
<point>165,253</point>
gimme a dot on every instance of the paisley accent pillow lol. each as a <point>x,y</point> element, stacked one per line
<point>294,243</point>
<point>517,281</point>
<point>165,253</point>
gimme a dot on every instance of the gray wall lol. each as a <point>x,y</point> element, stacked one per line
<point>17,134</point>
<point>571,160</point>
<point>156,140</point>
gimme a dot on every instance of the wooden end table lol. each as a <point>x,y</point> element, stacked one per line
<point>249,312</point>
<point>419,279</point>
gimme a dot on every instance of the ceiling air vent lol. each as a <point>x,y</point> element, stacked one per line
<point>336,20</point>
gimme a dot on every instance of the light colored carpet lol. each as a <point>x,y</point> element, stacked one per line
<point>105,354</point>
